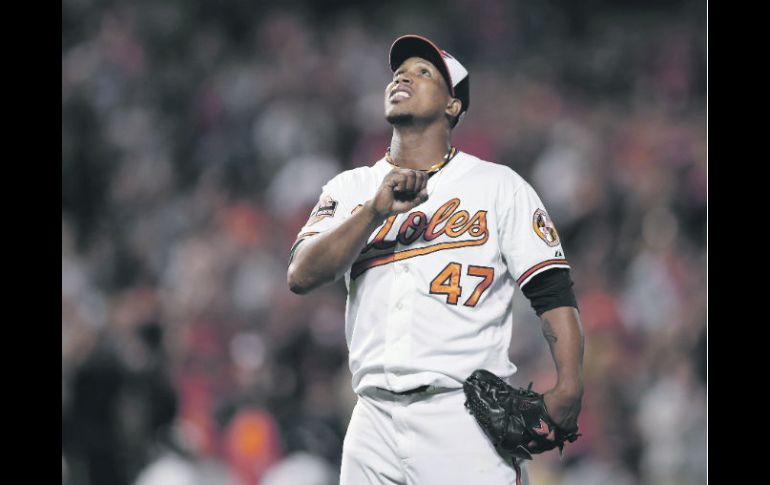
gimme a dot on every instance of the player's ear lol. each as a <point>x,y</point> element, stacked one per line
<point>453,107</point>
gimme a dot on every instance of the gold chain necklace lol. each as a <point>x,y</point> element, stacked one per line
<point>434,168</point>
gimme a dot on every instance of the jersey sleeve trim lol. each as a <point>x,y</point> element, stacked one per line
<point>539,268</point>
<point>296,244</point>
<point>306,234</point>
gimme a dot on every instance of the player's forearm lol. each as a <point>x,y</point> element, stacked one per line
<point>563,331</point>
<point>321,258</point>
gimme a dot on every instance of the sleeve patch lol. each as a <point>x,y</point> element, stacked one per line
<point>325,207</point>
<point>544,228</point>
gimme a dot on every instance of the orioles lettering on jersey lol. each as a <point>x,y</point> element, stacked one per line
<point>447,220</point>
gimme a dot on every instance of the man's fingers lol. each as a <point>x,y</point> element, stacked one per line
<point>422,180</point>
<point>405,181</point>
<point>398,181</point>
<point>409,185</point>
<point>411,181</point>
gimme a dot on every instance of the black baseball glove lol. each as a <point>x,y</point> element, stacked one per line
<point>515,419</point>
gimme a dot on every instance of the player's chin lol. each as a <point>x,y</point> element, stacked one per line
<point>399,116</point>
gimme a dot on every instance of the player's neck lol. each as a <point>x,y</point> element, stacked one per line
<point>419,148</point>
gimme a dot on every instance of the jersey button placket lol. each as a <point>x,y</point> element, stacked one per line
<point>398,334</point>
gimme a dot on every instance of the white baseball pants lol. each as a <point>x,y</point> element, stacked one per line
<point>420,439</point>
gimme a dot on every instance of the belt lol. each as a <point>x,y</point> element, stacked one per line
<point>407,393</point>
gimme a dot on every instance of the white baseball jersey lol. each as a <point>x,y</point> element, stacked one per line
<point>430,296</point>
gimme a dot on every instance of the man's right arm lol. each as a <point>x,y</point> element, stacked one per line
<point>320,259</point>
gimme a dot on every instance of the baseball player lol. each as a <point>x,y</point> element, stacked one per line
<point>432,242</point>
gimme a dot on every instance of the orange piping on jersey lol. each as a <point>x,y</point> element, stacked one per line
<point>306,234</point>
<point>364,265</point>
<point>538,266</point>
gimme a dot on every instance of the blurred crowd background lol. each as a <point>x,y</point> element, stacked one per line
<point>196,136</point>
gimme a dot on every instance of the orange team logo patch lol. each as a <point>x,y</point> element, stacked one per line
<point>325,207</point>
<point>544,228</point>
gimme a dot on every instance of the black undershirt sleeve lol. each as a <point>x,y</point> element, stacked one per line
<point>550,289</point>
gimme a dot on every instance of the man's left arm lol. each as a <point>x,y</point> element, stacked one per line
<point>563,331</point>
<point>553,300</point>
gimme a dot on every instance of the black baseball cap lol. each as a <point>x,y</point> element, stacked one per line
<point>455,74</point>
